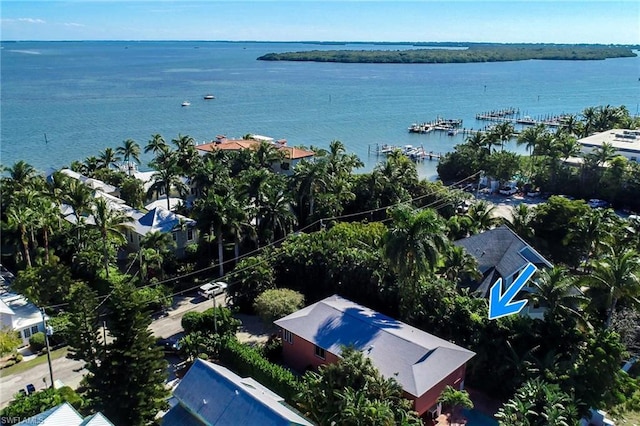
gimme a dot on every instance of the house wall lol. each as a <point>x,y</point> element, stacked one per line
<point>300,355</point>
<point>430,398</point>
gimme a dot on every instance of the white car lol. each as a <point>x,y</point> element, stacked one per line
<point>212,289</point>
<point>508,190</point>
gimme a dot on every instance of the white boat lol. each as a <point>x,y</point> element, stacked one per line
<point>186,103</point>
<point>207,97</point>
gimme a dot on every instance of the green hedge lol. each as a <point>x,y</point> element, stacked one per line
<point>247,361</point>
<point>36,342</point>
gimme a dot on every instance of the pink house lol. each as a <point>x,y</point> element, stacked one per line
<point>422,363</point>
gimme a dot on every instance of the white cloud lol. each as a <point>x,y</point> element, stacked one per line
<point>73,24</point>
<point>32,20</point>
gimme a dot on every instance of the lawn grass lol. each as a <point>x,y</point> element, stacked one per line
<point>631,419</point>
<point>26,365</point>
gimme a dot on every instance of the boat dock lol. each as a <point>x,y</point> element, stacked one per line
<point>414,153</point>
<point>448,125</point>
<point>512,115</point>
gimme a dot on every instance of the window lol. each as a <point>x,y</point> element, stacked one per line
<point>189,234</point>
<point>27,333</point>
<point>319,352</point>
<point>287,336</point>
<point>174,236</point>
<point>34,329</point>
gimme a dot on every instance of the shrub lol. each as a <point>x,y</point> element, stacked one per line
<point>206,322</point>
<point>36,342</point>
<point>61,328</point>
<point>277,303</point>
<point>247,361</point>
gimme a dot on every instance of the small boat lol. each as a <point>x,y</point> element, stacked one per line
<point>207,97</point>
<point>186,103</point>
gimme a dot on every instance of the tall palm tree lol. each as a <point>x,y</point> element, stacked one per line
<point>414,240</point>
<point>531,137</point>
<point>21,174</point>
<point>79,197</point>
<point>156,145</point>
<point>129,150</point>
<point>108,158</point>
<point>308,180</point>
<point>556,290</point>
<point>19,218</point>
<point>265,154</point>
<point>592,231</point>
<point>212,215</point>
<point>186,154</point>
<point>165,178</point>
<point>277,218</point>
<point>619,274</point>
<point>112,225</point>
<point>503,132</point>
<point>589,116</point>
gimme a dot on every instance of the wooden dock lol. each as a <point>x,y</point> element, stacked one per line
<point>439,124</point>
<point>414,153</point>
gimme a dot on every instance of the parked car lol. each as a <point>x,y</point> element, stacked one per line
<point>169,345</point>
<point>594,203</point>
<point>212,289</point>
<point>463,207</point>
<point>30,389</point>
<point>508,190</point>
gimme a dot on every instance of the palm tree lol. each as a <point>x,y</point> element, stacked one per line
<point>112,225</point>
<point>308,180</point>
<point>19,218</point>
<point>619,274</point>
<point>414,241</point>
<point>455,399</point>
<point>556,290</point>
<point>589,116</point>
<point>129,150</point>
<point>531,137</point>
<point>21,175</point>
<point>265,154</point>
<point>108,158</point>
<point>592,231</point>
<point>161,244</point>
<point>165,178</point>
<point>458,264</point>
<point>186,154</point>
<point>503,132</point>
<point>79,197</point>
<point>211,216</point>
<point>277,218</point>
<point>156,145</point>
<point>522,220</point>
<point>483,216</point>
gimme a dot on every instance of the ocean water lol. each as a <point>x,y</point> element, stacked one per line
<point>86,96</point>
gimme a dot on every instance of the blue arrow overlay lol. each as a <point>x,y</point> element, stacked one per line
<point>501,305</point>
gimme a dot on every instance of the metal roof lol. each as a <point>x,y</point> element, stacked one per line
<point>416,359</point>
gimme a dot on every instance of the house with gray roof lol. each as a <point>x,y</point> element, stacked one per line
<point>210,394</point>
<point>422,363</point>
<point>501,253</point>
<point>65,415</point>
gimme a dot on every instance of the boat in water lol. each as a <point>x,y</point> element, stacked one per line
<point>186,103</point>
<point>208,97</point>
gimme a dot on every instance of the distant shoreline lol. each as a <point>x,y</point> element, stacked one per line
<point>460,53</point>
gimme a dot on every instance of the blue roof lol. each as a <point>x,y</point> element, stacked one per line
<point>213,395</point>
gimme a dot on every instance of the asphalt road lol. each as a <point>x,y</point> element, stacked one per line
<point>70,372</point>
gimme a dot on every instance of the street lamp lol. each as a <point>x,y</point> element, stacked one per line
<point>48,331</point>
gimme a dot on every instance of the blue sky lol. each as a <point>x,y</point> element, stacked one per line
<point>419,20</point>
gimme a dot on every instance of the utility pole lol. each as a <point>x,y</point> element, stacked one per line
<point>47,330</point>
<point>215,314</point>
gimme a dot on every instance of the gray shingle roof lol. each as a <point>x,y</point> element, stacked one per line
<point>216,396</point>
<point>500,249</point>
<point>416,359</point>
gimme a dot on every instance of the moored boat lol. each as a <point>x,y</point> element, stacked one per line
<point>186,103</point>
<point>208,97</point>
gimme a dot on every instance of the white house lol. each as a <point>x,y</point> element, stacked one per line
<point>626,142</point>
<point>16,312</point>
